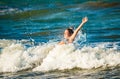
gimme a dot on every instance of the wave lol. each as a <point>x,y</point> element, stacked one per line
<point>68,57</point>
<point>4,10</point>
<point>16,56</point>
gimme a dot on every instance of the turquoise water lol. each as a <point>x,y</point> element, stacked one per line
<point>33,23</point>
<point>45,20</point>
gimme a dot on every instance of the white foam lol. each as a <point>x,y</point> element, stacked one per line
<point>8,10</point>
<point>15,56</point>
<point>68,57</point>
<point>4,42</point>
<point>10,58</point>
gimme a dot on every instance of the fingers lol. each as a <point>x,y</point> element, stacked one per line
<point>85,19</point>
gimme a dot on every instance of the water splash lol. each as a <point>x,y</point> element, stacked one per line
<point>16,56</point>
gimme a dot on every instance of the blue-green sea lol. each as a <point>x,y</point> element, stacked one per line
<point>30,31</point>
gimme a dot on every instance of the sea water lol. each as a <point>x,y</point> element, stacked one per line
<point>31,30</point>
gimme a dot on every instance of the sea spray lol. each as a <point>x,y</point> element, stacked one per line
<point>17,57</point>
<point>68,57</point>
<point>10,58</point>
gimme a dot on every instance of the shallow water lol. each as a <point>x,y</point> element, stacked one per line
<point>30,31</point>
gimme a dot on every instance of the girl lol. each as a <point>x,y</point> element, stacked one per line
<point>70,35</point>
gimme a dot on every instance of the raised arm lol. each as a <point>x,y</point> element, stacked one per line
<point>84,20</point>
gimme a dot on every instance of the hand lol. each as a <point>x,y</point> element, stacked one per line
<point>84,20</point>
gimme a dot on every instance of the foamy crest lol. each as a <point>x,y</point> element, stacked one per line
<point>11,57</point>
<point>68,57</point>
<point>4,43</point>
<point>8,10</point>
<point>17,57</point>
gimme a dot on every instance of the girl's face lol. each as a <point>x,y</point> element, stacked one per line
<point>66,34</point>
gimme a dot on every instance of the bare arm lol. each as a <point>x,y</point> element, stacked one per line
<point>84,20</point>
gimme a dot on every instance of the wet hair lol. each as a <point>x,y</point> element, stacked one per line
<point>70,30</point>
